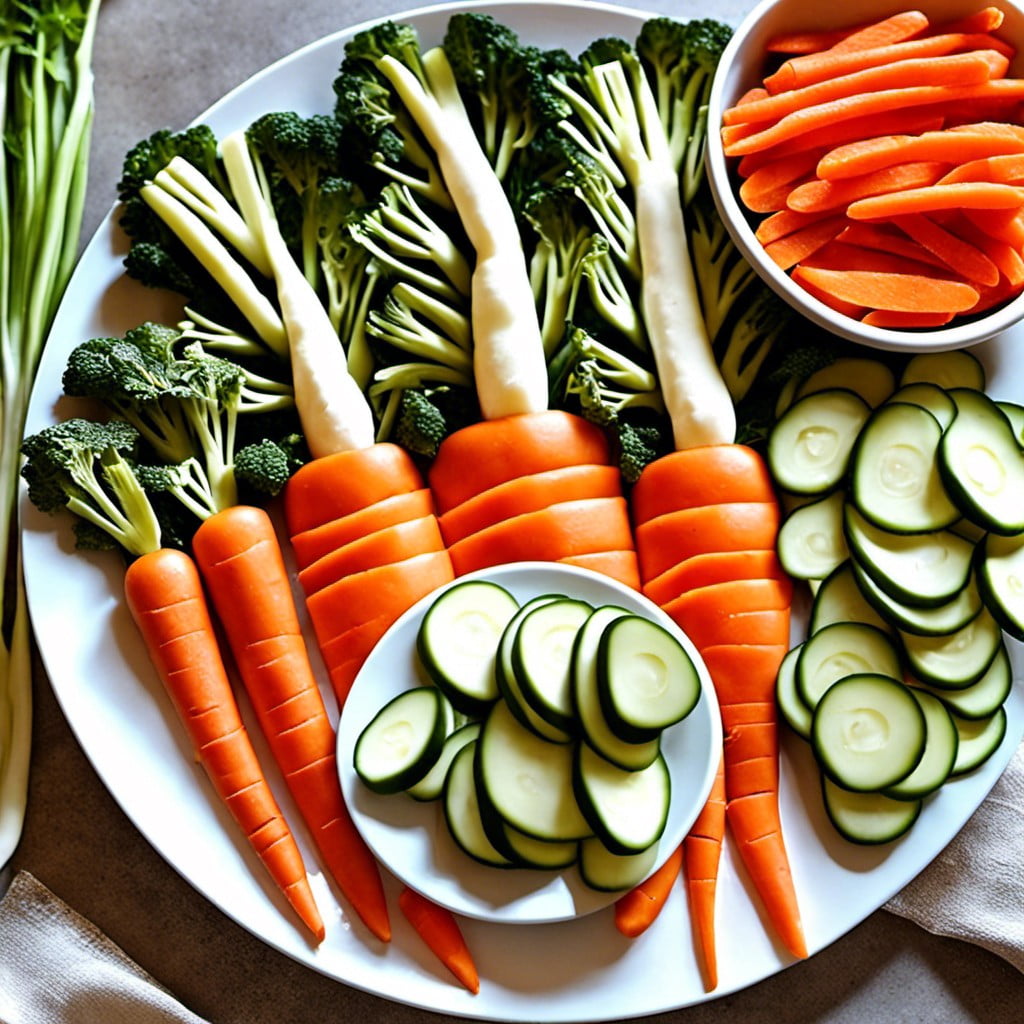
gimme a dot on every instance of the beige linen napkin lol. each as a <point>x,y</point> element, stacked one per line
<point>57,968</point>
<point>973,889</point>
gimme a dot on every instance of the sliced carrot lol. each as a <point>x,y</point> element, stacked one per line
<point>961,195</point>
<point>620,565</point>
<point>787,222</point>
<point>819,195</point>
<point>893,29</point>
<point>888,240</point>
<point>529,493</point>
<point>709,616</point>
<point>663,541</point>
<point>906,321</point>
<point>559,531</point>
<point>380,547</point>
<point>344,482</point>
<point>961,256</point>
<point>314,543</point>
<point>913,293</point>
<point>953,69</point>
<point>440,931</point>
<point>952,145</point>
<point>809,69</point>
<point>165,596</point>
<point>242,566</point>
<point>1007,168</point>
<point>637,910</point>
<point>1009,260</point>
<point>988,19</point>
<point>769,186</point>
<point>490,452</point>
<point>1006,225</point>
<point>841,255</point>
<point>710,568</point>
<point>702,851</point>
<point>696,477</point>
<point>791,249</point>
<point>806,41</point>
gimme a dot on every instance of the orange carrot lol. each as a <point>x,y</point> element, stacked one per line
<point>819,195</point>
<point>1007,168</point>
<point>988,19</point>
<point>1009,260</point>
<point>787,222</point>
<point>636,911</point>
<point>912,293</point>
<point>767,188</point>
<point>491,452</point>
<point>893,29</point>
<point>905,321</point>
<point>620,565</point>
<point>702,851</point>
<point>734,612</point>
<point>961,195</point>
<point>886,239</point>
<point>806,41</point>
<point>956,69</point>
<point>841,255</point>
<point>440,931</point>
<point>809,69</point>
<point>791,249</point>
<point>240,560</point>
<point>712,567</point>
<point>960,255</point>
<point>165,597</point>
<point>1006,225</point>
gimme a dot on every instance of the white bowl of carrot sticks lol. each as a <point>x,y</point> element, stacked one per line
<point>868,160</point>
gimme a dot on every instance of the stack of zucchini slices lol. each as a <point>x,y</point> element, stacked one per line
<point>538,728</point>
<point>906,517</point>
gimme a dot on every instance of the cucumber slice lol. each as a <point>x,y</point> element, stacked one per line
<point>982,464</point>
<point>868,732</point>
<point>843,649</point>
<point>795,712</point>
<point>400,744</point>
<point>954,369</point>
<point>942,619</point>
<point>539,853</point>
<point>587,702</point>
<point>809,447</point>
<point>940,750</point>
<point>867,818</point>
<point>508,681</point>
<point>541,656</point>
<point>811,543</point>
<point>458,639</point>
<point>979,740</point>
<point>1014,412</point>
<point>431,786</point>
<point>839,599</point>
<point>1001,581</point>
<point>612,872</point>
<point>956,660</point>
<point>894,478</point>
<point>924,569</point>
<point>626,810</point>
<point>986,696</point>
<point>928,396</point>
<point>646,680</point>
<point>869,378</point>
<point>528,780</point>
<point>462,812</point>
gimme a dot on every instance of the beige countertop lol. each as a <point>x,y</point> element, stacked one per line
<point>161,64</point>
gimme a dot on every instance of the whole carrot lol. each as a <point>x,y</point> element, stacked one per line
<point>165,596</point>
<point>240,560</point>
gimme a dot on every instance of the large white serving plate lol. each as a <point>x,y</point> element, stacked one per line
<point>570,971</point>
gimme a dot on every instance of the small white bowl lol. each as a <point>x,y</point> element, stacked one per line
<point>742,67</point>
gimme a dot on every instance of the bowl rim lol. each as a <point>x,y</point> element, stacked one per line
<point>724,88</point>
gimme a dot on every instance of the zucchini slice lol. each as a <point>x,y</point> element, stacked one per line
<point>462,811</point>
<point>956,660</point>
<point>982,464</point>
<point>646,681</point>
<point>894,476</point>
<point>983,698</point>
<point>1001,581</point>
<point>431,786</point>
<point>954,369</point>
<point>928,396</point>
<point>868,732</point>
<point>811,543</point>
<point>611,872</point>
<point>867,818</point>
<point>795,712</point>
<point>458,639</point>
<point>843,649</point>
<point>840,599</point>
<point>979,740</point>
<point>401,743</point>
<point>869,378</point>
<point>809,446</point>
<point>940,750</point>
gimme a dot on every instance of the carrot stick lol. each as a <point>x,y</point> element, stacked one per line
<point>960,255</point>
<point>886,239</point>
<point>1007,168</point>
<point>769,186</point>
<point>1009,260</point>
<point>702,851</point>
<point>1006,225</point>
<point>912,293</point>
<point>897,27</point>
<point>841,255</point>
<point>988,19</point>
<point>165,597</point>
<point>791,249</point>
<point>962,195</point>
<point>955,69</point>
<point>905,321</point>
<point>240,560</point>
<point>637,910</point>
<point>819,195</point>
<point>440,931</point>
<point>787,222</point>
<point>809,69</point>
<point>491,452</point>
<point>806,41</point>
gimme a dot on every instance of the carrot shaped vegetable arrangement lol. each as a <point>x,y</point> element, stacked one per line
<point>947,192</point>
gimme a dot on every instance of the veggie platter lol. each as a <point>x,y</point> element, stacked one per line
<point>117,707</point>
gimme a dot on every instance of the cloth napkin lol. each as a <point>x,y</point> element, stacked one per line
<point>58,968</point>
<point>973,889</point>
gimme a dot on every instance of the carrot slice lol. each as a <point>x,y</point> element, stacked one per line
<point>696,477</point>
<point>619,565</point>
<point>961,195</point>
<point>1009,260</point>
<point>819,195</point>
<point>769,186</point>
<point>886,239</point>
<point>1007,168</point>
<point>752,611</point>
<point>791,249</point>
<point>908,292</point>
<point>988,19</point>
<point>314,543</point>
<point>529,494</point>
<point>710,568</point>
<point>490,452</point>
<point>636,911</point>
<point>786,222</point>
<point>1006,225</point>
<point>905,321</point>
<point>893,29</point>
<point>841,255</point>
<point>961,256</point>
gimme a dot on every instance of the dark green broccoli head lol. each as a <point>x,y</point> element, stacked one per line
<point>605,50</point>
<point>389,38</point>
<point>420,426</point>
<point>266,466</point>
<point>638,446</point>
<point>197,145</point>
<point>484,54</point>
<point>298,149</point>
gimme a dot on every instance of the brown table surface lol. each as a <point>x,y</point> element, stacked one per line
<point>161,64</point>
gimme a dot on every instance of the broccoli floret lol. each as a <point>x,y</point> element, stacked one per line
<point>638,445</point>
<point>419,425</point>
<point>87,468</point>
<point>266,466</point>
